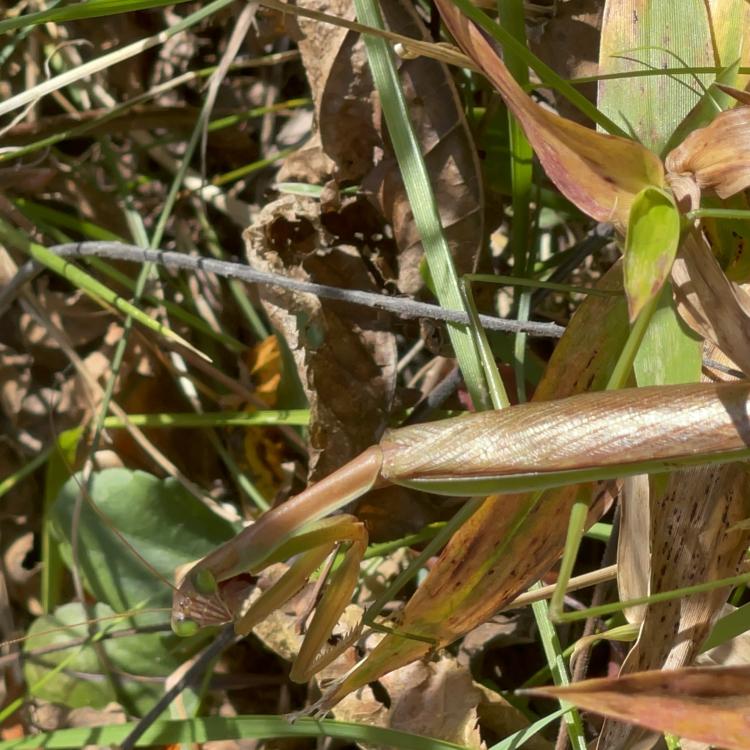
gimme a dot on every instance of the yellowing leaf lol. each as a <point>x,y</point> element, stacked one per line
<point>651,244</point>
<point>706,704</point>
<point>601,174</point>
<point>264,363</point>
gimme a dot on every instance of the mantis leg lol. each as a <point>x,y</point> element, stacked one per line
<point>313,546</point>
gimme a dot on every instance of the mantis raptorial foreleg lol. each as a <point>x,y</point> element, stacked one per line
<point>310,548</point>
<point>329,534</point>
<point>295,529</point>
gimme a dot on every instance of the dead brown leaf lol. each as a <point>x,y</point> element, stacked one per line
<point>707,704</point>
<point>601,174</point>
<point>633,544</point>
<point>354,146</point>
<point>345,356</point>
<point>449,153</point>
<point>569,44</point>
<point>437,699</point>
<point>716,308</point>
<point>716,157</point>
<point>693,534</point>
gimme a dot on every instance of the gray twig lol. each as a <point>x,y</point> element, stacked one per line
<point>402,307</point>
<point>196,671</point>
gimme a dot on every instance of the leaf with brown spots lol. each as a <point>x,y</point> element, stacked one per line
<point>692,541</point>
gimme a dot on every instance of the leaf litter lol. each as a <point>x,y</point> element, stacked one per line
<point>347,361</point>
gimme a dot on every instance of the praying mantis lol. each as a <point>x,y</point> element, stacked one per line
<point>536,446</point>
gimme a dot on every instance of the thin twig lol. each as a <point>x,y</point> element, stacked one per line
<point>214,650</point>
<point>54,648</point>
<point>402,307</point>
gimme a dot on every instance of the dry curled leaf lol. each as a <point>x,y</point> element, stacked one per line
<point>351,144</point>
<point>633,544</point>
<point>692,542</point>
<point>716,157</point>
<point>437,699</point>
<point>345,355</point>
<point>714,307</point>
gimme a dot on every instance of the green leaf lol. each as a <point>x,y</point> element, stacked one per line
<point>641,37</point>
<point>160,521</point>
<point>75,677</point>
<point>670,353</point>
<point>651,244</point>
<point>227,728</point>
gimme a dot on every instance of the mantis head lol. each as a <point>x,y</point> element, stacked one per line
<point>198,603</point>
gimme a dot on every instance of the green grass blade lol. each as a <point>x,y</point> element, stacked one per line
<point>77,11</point>
<point>554,654</point>
<point>518,738</point>
<point>34,93</point>
<point>297,417</point>
<point>422,198</point>
<point>234,728</point>
<point>545,73</point>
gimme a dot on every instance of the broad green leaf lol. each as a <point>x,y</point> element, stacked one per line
<point>731,625</point>
<point>56,676</point>
<point>713,101</point>
<point>670,353</point>
<point>640,36</point>
<point>159,519</point>
<point>651,244</point>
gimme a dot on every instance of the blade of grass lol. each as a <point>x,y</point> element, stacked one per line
<point>545,73</point>
<point>511,15</point>
<point>421,197</point>
<point>237,727</point>
<point>105,61</point>
<point>118,110</point>
<point>300,417</point>
<point>42,215</point>
<point>18,476</point>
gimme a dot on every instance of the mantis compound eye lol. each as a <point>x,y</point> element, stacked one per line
<point>204,582</point>
<point>184,627</point>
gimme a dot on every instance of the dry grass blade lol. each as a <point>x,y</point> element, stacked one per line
<point>716,308</point>
<point>695,536</point>
<point>692,542</point>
